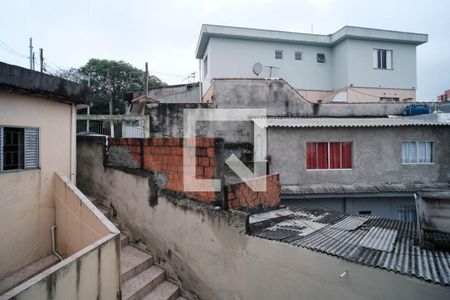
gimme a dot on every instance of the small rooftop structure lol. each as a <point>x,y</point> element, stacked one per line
<point>391,245</point>
<point>346,32</point>
<point>21,80</point>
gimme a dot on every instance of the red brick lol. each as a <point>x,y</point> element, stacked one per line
<point>203,161</point>
<point>199,171</point>
<point>209,172</point>
<point>210,152</point>
<point>176,151</point>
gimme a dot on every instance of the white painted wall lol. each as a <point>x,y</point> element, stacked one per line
<point>360,66</point>
<point>348,62</point>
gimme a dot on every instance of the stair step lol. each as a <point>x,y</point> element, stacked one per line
<point>93,200</point>
<point>104,210</point>
<point>133,261</point>
<point>142,284</point>
<point>123,240</point>
<point>164,291</point>
<point>28,271</point>
<point>115,223</point>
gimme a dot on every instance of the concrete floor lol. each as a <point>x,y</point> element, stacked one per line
<point>27,272</point>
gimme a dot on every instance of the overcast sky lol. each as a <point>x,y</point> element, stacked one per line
<point>165,32</point>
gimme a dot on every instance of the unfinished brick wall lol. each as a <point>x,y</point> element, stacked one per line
<point>241,195</point>
<point>165,155</point>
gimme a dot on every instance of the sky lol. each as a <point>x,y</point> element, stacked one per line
<point>165,33</point>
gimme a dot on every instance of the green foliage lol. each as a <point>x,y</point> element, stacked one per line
<point>110,79</point>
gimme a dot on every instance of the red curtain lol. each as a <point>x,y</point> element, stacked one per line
<point>346,155</point>
<point>335,155</point>
<point>311,156</point>
<point>322,155</point>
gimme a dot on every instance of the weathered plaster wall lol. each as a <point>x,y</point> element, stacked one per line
<point>26,196</point>
<point>376,155</point>
<point>78,222</point>
<point>210,255</point>
<point>92,273</point>
<point>280,99</point>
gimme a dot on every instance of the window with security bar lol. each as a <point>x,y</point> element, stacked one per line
<point>19,148</point>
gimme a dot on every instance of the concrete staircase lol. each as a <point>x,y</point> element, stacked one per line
<point>141,279</point>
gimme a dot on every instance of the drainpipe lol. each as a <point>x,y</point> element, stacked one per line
<point>419,227</point>
<point>54,244</point>
<point>73,145</point>
<point>200,82</point>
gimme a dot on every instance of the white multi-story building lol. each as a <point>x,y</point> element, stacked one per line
<point>353,64</point>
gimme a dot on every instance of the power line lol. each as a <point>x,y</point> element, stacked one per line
<point>11,50</point>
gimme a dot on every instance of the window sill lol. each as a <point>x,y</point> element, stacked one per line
<point>417,164</point>
<point>381,69</point>
<point>18,170</point>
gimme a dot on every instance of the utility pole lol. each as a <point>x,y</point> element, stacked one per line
<point>89,107</point>
<point>111,125</point>
<point>41,55</point>
<point>142,110</point>
<point>31,53</point>
<point>34,62</point>
<point>146,80</point>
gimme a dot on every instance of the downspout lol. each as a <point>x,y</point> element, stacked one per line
<point>54,244</point>
<point>73,145</point>
<point>200,79</point>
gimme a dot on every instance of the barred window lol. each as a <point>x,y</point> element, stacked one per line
<point>19,148</point>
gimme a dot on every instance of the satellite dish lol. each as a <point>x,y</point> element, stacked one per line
<point>257,68</point>
<point>340,97</point>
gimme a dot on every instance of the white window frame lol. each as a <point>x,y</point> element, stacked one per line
<point>328,149</point>
<point>301,55</point>
<point>389,59</point>
<point>417,152</point>
<point>275,54</point>
<point>38,150</point>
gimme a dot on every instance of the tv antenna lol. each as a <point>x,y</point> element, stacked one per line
<point>270,70</point>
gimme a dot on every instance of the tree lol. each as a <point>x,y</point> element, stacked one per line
<point>110,79</point>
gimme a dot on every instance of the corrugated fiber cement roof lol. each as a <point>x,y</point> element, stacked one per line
<point>376,242</point>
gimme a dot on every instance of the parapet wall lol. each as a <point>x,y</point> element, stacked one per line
<point>164,158</point>
<point>241,195</point>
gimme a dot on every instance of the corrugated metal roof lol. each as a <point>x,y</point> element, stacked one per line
<point>377,242</point>
<point>330,188</point>
<point>442,119</point>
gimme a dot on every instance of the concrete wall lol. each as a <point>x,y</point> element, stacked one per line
<point>210,255</point>
<point>376,155</point>
<point>91,245</point>
<point>377,204</point>
<point>26,196</point>
<point>78,221</point>
<point>92,273</point>
<point>183,93</point>
<point>280,99</point>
